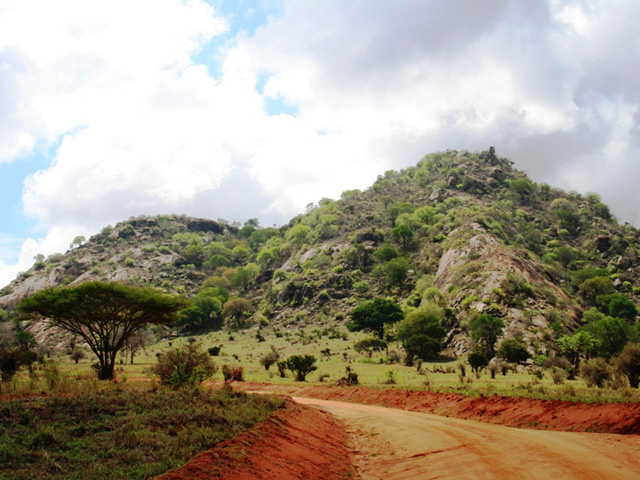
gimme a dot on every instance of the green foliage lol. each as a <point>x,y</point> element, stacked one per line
<point>611,335</point>
<point>593,287</point>
<point>574,347</point>
<point>421,333</point>
<point>103,314</point>
<point>486,329</point>
<point>370,345</point>
<point>374,315</point>
<point>477,360</point>
<point>237,311</point>
<point>243,277</point>
<point>402,233</point>
<point>299,234</point>
<point>513,351</point>
<point>385,253</point>
<point>270,358</point>
<point>396,271</point>
<point>301,365</point>
<point>522,187</point>
<point>619,305</point>
<point>184,367</point>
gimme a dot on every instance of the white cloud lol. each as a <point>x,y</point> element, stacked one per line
<point>142,129</point>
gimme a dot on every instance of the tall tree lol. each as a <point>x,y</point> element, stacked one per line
<point>105,315</point>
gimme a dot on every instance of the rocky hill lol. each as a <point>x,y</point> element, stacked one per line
<point>464,230</point>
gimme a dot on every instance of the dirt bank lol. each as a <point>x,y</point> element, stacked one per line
<point>622,418</point>
<point>297,442</point>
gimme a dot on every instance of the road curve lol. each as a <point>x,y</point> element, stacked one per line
<point>395,444</point>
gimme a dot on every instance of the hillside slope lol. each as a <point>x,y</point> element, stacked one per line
<point>464,230</point>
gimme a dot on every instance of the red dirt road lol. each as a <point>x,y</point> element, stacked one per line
<point>512,411</point>
<point>396,444</point>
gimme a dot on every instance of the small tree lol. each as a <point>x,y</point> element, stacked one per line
<point>77,355</point>
<point>574,347</point>
<point>421,334</point>
<point>301,365</point>
<point>236,312</point>
<point>477,360</point>
<point>370,345</point>
<point>486,329</point>
<point>139,340</point>
<point>104,315</point>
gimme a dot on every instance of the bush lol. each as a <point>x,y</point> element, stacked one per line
<point>351,378</point>
<point>269,358</point>
<point>596,372</point>
<point>628,364</point>
<point>559,375</point>
<point>477,360</point>
<point>513,351</point>
<point>233,373</point>
<point>184,367</point>
<point>301,365</point>
<point>214,351</point>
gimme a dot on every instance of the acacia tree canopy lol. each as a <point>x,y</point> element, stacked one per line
<point>104,314</point>
<point>372,316</point>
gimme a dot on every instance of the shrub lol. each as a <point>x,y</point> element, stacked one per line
<point>559,375</point>
<point>351,377</point>
<point>230,372</point>
<point>282,369</point>
<point>596,372</point>
<point>628,364</point>
<point>77,355</point>
<point>477,360</point>
<point>214,351</point>
<point>184,367</point>
<point>301,365</point>
<point>513,351</point>
<point>269,358</point>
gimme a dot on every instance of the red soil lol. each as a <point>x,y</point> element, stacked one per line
<point>622,418</point>
<point>297,442</point>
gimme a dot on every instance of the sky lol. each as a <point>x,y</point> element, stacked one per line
<point>255,108</point>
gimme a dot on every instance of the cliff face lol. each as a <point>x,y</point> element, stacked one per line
<point>486,276</point>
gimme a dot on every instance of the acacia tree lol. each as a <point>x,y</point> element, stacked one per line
<point>105,315</point>
<point>373,316</point>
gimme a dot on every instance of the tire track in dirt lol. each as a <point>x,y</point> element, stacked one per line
<point>396,444</point>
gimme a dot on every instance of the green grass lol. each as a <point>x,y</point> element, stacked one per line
<point>311,339</point>
<point>119,434</point>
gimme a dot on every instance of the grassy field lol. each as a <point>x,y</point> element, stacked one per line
<point>243,349</point>
<point>116,433</point>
